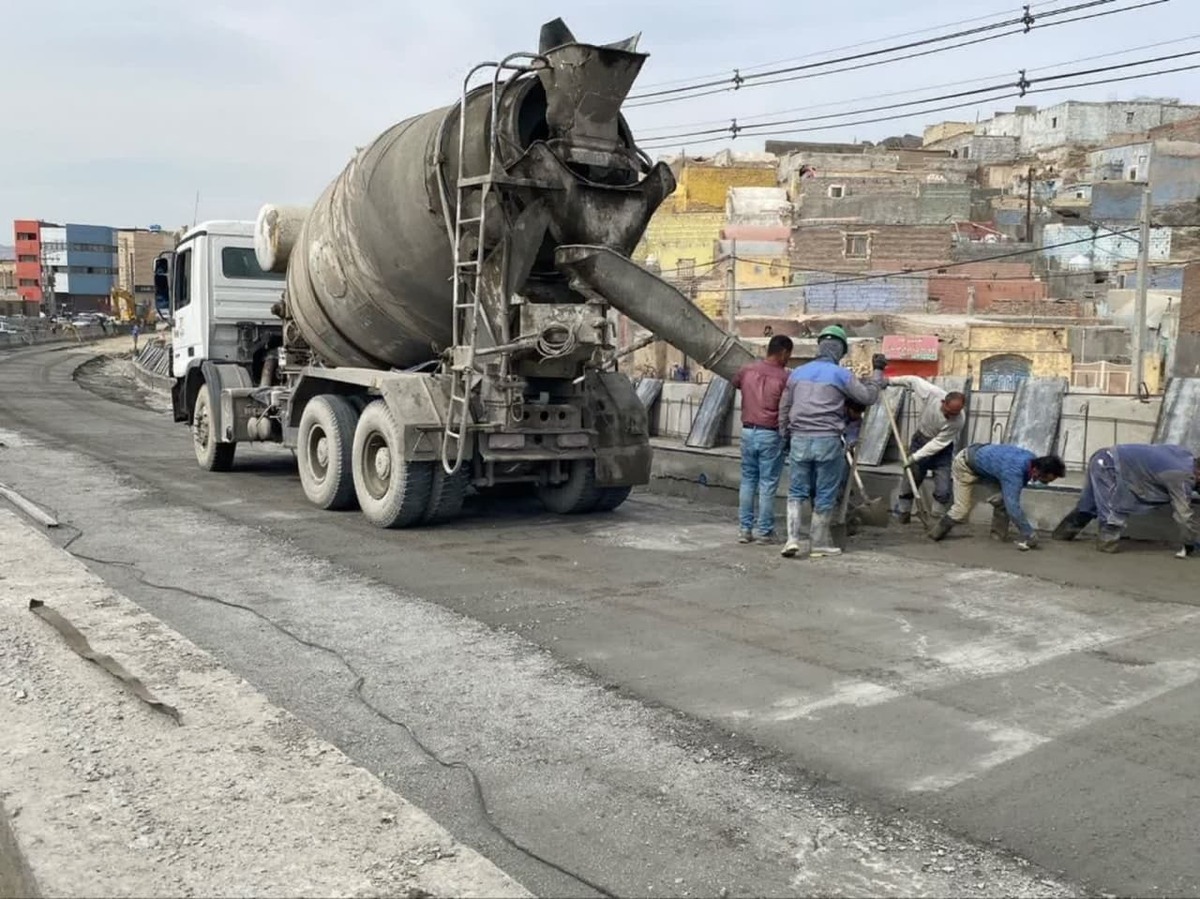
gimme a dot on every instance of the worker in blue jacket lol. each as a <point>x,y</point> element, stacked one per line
<point>1002,467</point>
<point>1132,479</point>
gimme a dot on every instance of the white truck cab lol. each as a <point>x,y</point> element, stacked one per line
<point>221,308</point>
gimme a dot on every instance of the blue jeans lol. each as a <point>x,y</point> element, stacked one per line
<point>762,463</point>
<point>818,464</point>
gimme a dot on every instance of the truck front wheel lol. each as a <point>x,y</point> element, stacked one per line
<point>323,450</point>
<point>393,492</point>
<point>211,455</point>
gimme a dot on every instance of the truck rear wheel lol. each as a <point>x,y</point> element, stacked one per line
<point>446,497</point>
<point>611,497</point>
<point>211,455</point>
<point>392,493</point>
<point>577,494</point>
<point>324,447</point>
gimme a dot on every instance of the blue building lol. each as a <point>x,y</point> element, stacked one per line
<point>80,261</point>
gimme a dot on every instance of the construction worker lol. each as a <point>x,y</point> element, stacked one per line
<point>134,332</point>
<point>931,449</point>
<point>1008,468</point>
<point>812,415</point>
<point>761,384</point>
<point>1131,479</point>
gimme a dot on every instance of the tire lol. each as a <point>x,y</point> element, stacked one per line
<point>211,455</point>
<point>392,493</point>
<point>612,497</point>
<point>323,450</point>
<point>577,494</point>
<point>447,495</point>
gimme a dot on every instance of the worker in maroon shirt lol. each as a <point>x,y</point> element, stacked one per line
<point>762,384</point>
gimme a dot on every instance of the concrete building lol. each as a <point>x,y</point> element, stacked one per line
<point>1171,167</point>
<point>68,269</point>
<point>1077,122</point>
<point>1084,248</point>
<point>137,248</point>
<point>27,237</point>
<point>853,248</point>
<point>981,149</point>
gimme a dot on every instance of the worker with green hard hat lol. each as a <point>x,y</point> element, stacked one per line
<point>812,417</point>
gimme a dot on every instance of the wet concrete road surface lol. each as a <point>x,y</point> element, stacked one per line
<point>654,709</point>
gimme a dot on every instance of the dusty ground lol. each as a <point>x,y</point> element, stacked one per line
<point>652,710</point>
<point>241,799</point>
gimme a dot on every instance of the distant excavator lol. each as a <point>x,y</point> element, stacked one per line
<point>126,308</point>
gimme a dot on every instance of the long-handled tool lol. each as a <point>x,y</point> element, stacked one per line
<point>918,501</point>
<point>873,512</point>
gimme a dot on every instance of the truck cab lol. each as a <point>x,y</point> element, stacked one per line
<point>220,303</point>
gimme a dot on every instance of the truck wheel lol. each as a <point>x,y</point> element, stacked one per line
<point>211,455</point>
<point>611,497</point>
<point>446,497</point>
<point>323,450</point>
<point>577,494</point>
<point>393,493</point>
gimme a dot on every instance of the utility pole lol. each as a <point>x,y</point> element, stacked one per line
<point>1139,306</point>
<point>731,290</point>
<point>1029,206</point>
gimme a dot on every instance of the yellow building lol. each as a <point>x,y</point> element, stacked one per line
<point>681,237</point>
<point>996,355</point>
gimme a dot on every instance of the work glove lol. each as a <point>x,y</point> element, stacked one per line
<point>1027,543</point>
<point>879,362</point>
<point>912,463</point>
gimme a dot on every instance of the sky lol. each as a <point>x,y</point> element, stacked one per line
<point>122,112</point>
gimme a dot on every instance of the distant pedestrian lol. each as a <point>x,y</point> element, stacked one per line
<point>932,447</point>
<point>1003,468</point>
<point>1132,479</point>
<point>134,332</point>
<point>762,384</point>
<point>812,414</point>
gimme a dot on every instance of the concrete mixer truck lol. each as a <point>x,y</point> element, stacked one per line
<point>440,318</point>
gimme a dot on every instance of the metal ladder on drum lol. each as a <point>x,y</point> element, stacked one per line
<point>468,270</point>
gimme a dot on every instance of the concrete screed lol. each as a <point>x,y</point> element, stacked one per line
<point>104,796</point>
<point>1012,708</point>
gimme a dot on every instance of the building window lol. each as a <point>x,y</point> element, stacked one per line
<point>26,235</point>
<point>836,191</point>
<point>685,268</point>
<point>966,152</point>
<point>857,246</point>
<point>27,257</point>
<point>29,282</point>
<point>1133,173</point>
<point>1129,118</point>
<point>1078,195</point>
<point>1054,122</point>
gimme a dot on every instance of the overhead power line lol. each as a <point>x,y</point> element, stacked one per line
<point>1020,88</point>
<point>677,128</point>
<point>1026,23</point>
<point>878,276</point>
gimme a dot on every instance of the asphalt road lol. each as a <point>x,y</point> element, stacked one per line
<point>653,708</point>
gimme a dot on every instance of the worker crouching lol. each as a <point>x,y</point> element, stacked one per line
<point>812,418</point>
<point>1132,479</point>
<point>998,467</point>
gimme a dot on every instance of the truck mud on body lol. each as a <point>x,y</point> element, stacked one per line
<point>441,318</point>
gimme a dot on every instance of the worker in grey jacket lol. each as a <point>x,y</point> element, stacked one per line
<point>812,416</point>
<point>1131,479</point>
<point>931,450</point>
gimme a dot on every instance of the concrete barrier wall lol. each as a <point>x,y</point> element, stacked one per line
<point>40,336</point>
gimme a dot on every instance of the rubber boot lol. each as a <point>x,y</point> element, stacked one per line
<point>1069,527</point>
<point>1000,519</point>
<point>1109,539</point>
<point>792,547</point>
<point>822,536</point>
<point>942,528</point>
<point>904,507</point>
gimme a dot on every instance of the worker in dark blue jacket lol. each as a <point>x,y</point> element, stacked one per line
<point>1000,467</point>
<point>1132,479</point>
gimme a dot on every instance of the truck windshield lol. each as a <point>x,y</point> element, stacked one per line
<point>241,263</point>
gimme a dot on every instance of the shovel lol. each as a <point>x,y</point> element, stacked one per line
<point>873,512</point>
<point>918,500</point>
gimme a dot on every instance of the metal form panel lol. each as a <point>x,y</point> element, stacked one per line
<point>648,391</point>
<point>1035,414</point>
<point>706,427</point>
<point>1179,417</point>
<point>876,430</point>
